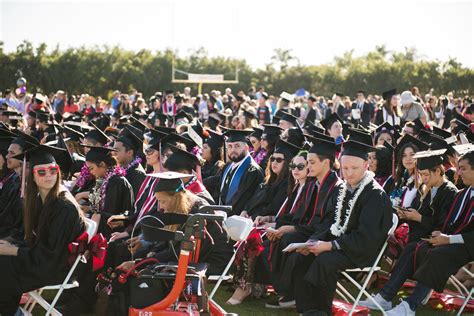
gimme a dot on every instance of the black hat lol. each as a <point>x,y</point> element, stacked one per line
<point>287,149</point>
<point>183,115</point>
<point>408,139</point>
<point>275,119</point>
<point>5,133</point>
<point>257,133</point>
<point>249,114</point>
<point>43,154</point>
<point>181,160</point>
<point>97,154</point>
<point>311,127</point>
<point>98,135</point>
<point>173,139</point>
<point>330,120</point>
<point>271,129</point>
<point>323,145</point>
<point>137,124</point>
<point>169,181</point>
<point>312,98</point>
<point>339,94</point>
<point>215,140</point>
<point>72,133</point>
<point>166,130</point>
<point>289,118</point>
<point>359,144</point>
<point>295,136</point>
<point>155,138</point>
<point>25,141</point>
<point>130,136</point>
<point>441,132</point>
<point>388,94</point>
<point>213,122</point>
<point>429,159</point>
<point>199,129</point>
<point>386,127</point>
<point>234,135</point>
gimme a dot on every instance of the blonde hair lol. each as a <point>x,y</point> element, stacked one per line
<point>180,204</point>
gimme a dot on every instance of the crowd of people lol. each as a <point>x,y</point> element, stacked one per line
<point>326,173</point>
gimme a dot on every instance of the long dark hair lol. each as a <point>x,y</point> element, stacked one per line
<point>384,162</point>
<point>400,168</point>
<point>291,181</point>
<point>36,212</point>
<point>271,177</point>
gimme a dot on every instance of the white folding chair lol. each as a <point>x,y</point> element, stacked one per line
<point>464,293</point>
<point>35,296</point>
<point>344,293</point>
<point>238,228</point>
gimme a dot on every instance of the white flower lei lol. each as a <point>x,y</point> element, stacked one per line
<point>336,228</point>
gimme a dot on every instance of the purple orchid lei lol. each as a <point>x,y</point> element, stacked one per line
<point>134,162</point>
<point>261,154</point>
<point>84,176</point>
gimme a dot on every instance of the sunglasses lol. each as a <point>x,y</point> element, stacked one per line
<point>278,160</point>
<point>149,151</point>
<point>299,166</point>
<point>53,170</point>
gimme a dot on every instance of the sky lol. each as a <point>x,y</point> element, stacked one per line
<point>315,31</point>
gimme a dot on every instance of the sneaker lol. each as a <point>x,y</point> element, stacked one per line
<point>386,305</point>
<point>283,302</point>
<point>402,309</point>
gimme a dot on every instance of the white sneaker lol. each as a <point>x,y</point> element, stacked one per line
<point>402,309</point>
<point>386,305</point>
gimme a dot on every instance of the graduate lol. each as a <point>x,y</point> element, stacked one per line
<point>381,164</point>
<point>52,220</point>
<point>213,154</point>
<point>241,175</point>
<point>363,216</point>
<point>433,260</point>
<point>129,146</point>
<point>333,125</point>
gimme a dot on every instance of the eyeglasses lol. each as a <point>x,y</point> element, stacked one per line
<point>278,160</point>
<point>299,166</point>
<point>53,170</point>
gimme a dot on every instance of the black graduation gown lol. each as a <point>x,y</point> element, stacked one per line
<point>433,213</point>
<point>119,198</point>
<point>267,199</point>
<point>211,175</point>
<point>135,176</point>
<point>44,263</point>
<point>11,209</point>
<point>434,265</point>
<point>249,182</point>
<point>367,113</point>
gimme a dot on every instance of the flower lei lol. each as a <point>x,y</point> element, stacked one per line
<point>103,186</point>
<point>134,162</point>
<point>336,228</point>
<point>84,176</point>
<point>260,156</point>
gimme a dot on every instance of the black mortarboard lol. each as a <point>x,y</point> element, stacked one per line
<point>339,94</point>
<point>289,118</point>
<point>25,141</point>
<point>271,129</point>
<point>257,133</point>
<point>287,149</point>
<point>5,132</point>
<point>275,120</point>
<point>170,181</point>
<point>323,145</point>
<point>330,120</point>
<point>166,130</point>
<point>418,125</point>
<point>295,136</point>
<point>249,114</point>
<point>181,160</point>
<point>183,115</point>
<point>441,132</point>
<point>311,127</point>
<point>155,138</point>
<point>386,127</point>
<point>4,144</point>
<point>359,145</point>
<point>174,138</point>
<point>234,135</point>
<point>429,159</point>
<point>98,154</point>
<point>410,139</point>
<point>215,140</point>
<point>388,94</point>
<point>43,154</point>
<point>98,135</point>
<point>213,122</point>
<point>199,129</point>
<point>131,137</point>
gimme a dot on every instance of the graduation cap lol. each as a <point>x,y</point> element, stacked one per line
<point>429,159</point>
<point>330,120</point>
<point>408,139</point>
<point>136,123</point>
<point>286,96</point>
<point>170,181</point>
<point>313,98</point>
<point>287,149</point>
<point>5,133</point>
<point>183,115</point>
<point>199,129</point>
<point>25,141</point>
<point>387,95</point>
<point>271,129</point>
<point>359,144</point>
<point>213,122</point>
<point>155,138</point>
<point>257,133</point>
<point>419,126</point>
<point>441,132</point>
<point>111,132</point>
<point>322,145</point>
<point>166,130</point>
<point>98,135</point>
<point>181,160</point>
<point>130,136</point>
<point>4,144</point>
<point>46,154</point>
<point>295,136</point>
<point>289,118</point>
<point>275,119</point>
<point>39,98</point>
<point>311,127</point>
<point>215,140</point>
<point>98,154</point>
<point>234,135</point>
<point>386,127</point>
<point>249,114</point>
<point>463,149</point>
<point>157,115</point>
<point>173,139</point>
<point>339,94</point>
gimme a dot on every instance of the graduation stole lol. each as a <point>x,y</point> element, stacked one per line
<point>194,185</point>
<point>465,201</point>
<point>235,181</point>
<point>164,108</point>
<point>322,192</point>
<point>150,200</point>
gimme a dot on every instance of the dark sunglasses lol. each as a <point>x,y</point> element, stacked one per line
<point>299,166</point>
<point>278,160</point>
<point>53,170</point>
<point>149,151</point>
